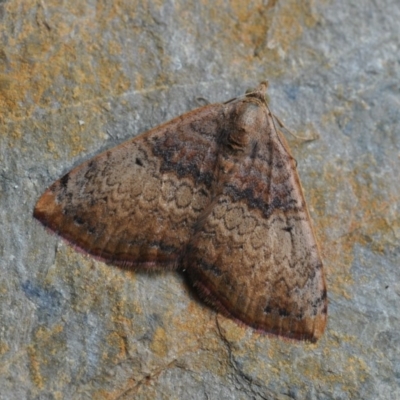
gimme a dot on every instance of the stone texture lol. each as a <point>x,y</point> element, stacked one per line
<point>79,77</point>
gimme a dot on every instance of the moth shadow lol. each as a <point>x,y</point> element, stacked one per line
<point>195,294</point>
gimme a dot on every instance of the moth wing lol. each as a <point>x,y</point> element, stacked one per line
<point>253,255</point>
<point>135,205</point>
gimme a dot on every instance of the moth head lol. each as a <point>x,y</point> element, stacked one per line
<point>260,91</point>
<point>250,122</point>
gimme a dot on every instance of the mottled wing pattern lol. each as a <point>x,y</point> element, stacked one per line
<point>215,192</point>
<point>135,205</point>
<point>253,254</point>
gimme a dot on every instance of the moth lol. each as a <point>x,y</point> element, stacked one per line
<point>215,193</point>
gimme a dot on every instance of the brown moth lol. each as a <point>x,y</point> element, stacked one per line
<point>214,192</point>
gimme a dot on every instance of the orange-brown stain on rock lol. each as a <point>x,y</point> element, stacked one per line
<point>116,349</point>
<point>49,345</point>
<point>159,343</point>
<point>56,65</point>
<point>280,362</point>
<point>35,368</point>
<point>360,218</point>
<point>194,330</point>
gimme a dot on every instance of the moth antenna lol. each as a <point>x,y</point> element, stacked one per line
<point>202,101</point>
<point>262,88</point>
<point>302,138</point>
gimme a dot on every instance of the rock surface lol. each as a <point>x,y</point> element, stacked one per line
<point>79,77</point>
